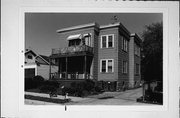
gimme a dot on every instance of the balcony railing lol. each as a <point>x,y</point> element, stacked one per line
<point>72,50</point>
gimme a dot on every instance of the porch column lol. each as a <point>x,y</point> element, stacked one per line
<point>49,68</point>
<point>66,68</point>
<point>85,68</point>
<point>60,68</point>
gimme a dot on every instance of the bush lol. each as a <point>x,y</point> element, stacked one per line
<point>28,83</point>
<point>70,91</point>
<point>35,82</point>
<point>98,89</point>
<point>51,83</point>
<point>49,86</point>
<point>38,78</point>
<point>80,88</point>
<point>47,89</point>
<point>89,85</point>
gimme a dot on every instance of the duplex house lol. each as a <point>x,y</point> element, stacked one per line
<point>109,54</point>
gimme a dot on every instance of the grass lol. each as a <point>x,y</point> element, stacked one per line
<point>45,99</point>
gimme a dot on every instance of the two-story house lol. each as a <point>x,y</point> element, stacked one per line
<point>109,54</point>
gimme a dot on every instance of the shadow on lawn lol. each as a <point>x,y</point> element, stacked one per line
<point>52,100</point>
<point>106,97</point>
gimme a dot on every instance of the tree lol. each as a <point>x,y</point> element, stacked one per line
<point>152,52</point>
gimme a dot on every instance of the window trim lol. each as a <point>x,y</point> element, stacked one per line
<point>124,44</point>
<point>107,65</point>
<point>107,41</point>
<point>89,35</point>
<point>138,69</point>
<point>137,50</point>
<point>126,70</point>
<point>30,57</point>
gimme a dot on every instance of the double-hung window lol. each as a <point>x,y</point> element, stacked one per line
<point>124,44</point>
<point>137,69</point>
<point>106,65</point>
<point>124,67</point>
<point>103,44</point>
<point>137,50</point>
<point>107,41</point>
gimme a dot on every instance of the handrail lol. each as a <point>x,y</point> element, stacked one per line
<point>72,49</point>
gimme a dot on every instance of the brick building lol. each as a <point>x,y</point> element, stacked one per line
<point>109,54</point>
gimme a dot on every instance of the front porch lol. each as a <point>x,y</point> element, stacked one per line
<point>73,63</point>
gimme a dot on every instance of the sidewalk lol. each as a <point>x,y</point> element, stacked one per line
<point>28,101</point>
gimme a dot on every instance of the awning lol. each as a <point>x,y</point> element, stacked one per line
<point>72,37</point>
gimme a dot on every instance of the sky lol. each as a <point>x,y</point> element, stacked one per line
<point>40,28</point>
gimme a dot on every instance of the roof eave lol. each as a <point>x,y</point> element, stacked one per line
<point>137,37</point>
<point>118,24</point>
<point>78,27</point>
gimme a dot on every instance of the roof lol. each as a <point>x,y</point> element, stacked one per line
<point>46,58</point>
<point>118,24</point>
<point>43,57</point>
<point>30,51</point>
<point>78,27</point>
<point>137,38</point>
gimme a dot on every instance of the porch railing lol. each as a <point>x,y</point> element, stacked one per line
<point>56,76</point>
<point>72,49</point>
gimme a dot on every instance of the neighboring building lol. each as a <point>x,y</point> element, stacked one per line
<point>36,64</point>
<point>109,54</point>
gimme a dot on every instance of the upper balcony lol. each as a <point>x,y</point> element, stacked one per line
<point>79,50</point>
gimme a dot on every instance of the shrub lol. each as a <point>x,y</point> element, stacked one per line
<point>51,83</point>
<point>98,89</point>
<point>28,83</point>
<point>89,85</point>
<point>38,78</point>
<point>80,88</point>
<point>35,82</point>
<point>47,88</point>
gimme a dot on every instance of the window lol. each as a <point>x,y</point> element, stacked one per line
<point>136,50</point>
<point>106,65</point>
<point>103,41</point>
<point>107,41</point>
<point>110,41</point>
<point>137,69</point>
<point>110,65</point>
<point>103,66</point>
<point>87,38</point>
<point>124,67</point>
<point>124,44</point>
<point>75,42</point>
<point>29,57</point>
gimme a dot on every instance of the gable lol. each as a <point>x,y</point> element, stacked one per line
<point>29,58</point>
<point>32,58</point>
<point>39,60</point>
